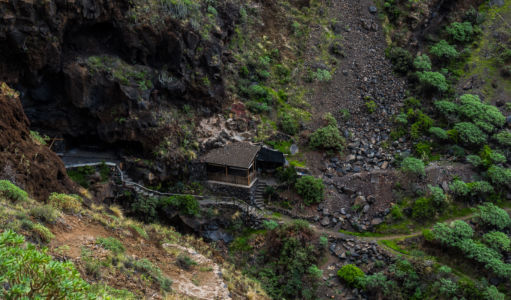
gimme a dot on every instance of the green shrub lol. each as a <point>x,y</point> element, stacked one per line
<point>12,192</point>
<point>461,32</point>
<point>492,216</point>
<point>157,276</point>
<point>459,188</point>
<point>38,139</point>
<point>310,188</point>
<point>187,204</point>
<point>413,165</point>
<point>67,203</point>
<point>423,209</point>
<point>185,262</point>
<point>503,138</point>
<point>397,213</point>
<point>376,282</point>
<point>438,133</point>
<point>322,75</point>
<point>28,273</point>
<point>437,195</point>
<point>287,175</point>
<point>497,240</point>
<point>480,188</point>
<point>45,213</point>
<point>352,275</point>
<point>451,235</point>
<point>470,134</point>
<point>401,119</point>
<point>422,63</point>
<point>474,160</point>
<point>499,175</point>
<point>270,224</point>
<point>443,50</point>
<point>447,287</point>
<point>487,117</point>
<point>145,208</point>
<point>446,108</point>
<point>492,293</point>
<point>433,80</point>
<point>289,124</point>
<point>112,244</point>
<point>330,119</point>
<point>327,137</point>
<point>401,59</point>
<point>371,106</point>
<point>42,233</point>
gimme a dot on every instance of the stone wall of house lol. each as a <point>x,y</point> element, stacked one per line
<point>236,191</point>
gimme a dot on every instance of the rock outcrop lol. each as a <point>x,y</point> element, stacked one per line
<point>24,161</point>
<point>115,72</point>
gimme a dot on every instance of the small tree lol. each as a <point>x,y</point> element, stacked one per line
<point>422,63</point>
<point>352,275</point>
<point>327,137</point>
<point>492,216</point>
<point>289,124</point>
<point>400,58</point>
<point>439,133</point>
<point>499,175</point>
<point>433,80</point>
<point>444,51</point>
<point>470,134</point>
<point>310,188</point>
<point>414,166</point>
<point>461,32</point>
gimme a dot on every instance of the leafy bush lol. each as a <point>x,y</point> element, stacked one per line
<point>503,138</point>
<point>68,203</point>
<point>437,195</point>
<point>31,274</point>
<point>330,119</point>
<point>322,75</point>
<point>497,240</point>
<point>480,188</point>
<point>439,133</point>
<point>187,204</point>
<point>371,106</point>
<point>112,244</point>
<point>287,175</point>
<point>45,213</point>
<point>146,267</point>
<point>433,80</point>
<point>422,63</point>
<point>470,134</point>
<point>12,192</point>
<point>289,124</point>
<point>492,216</point>
<point>461,32</point>
<point>443,50</point>
<point>310,188</point>
<point>185,262</point>
<point>459,188</point>
<point>474,160</point>
<point>145,208</point>
<point>423,209</point>
<point>446,108</point>
<point>397,213</point>
<point>352,275</point>
<point>270,224</point>
<point>327,137</point>
<point>376,282</point>
<point>451,235</point>
<point>42,233</point>
<point>447,287</point>
<point>487,117</point>
<point>492,293</point>
<point>401,59</point>
<point>413,165</point>
<point>499,175</point>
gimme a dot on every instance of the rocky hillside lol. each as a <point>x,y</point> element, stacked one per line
<point>26,159</point>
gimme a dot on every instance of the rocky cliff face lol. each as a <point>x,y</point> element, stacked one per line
<point>23,160</point>
<point>112,72</point>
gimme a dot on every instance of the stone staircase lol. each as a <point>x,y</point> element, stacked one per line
<point>259,194</point>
